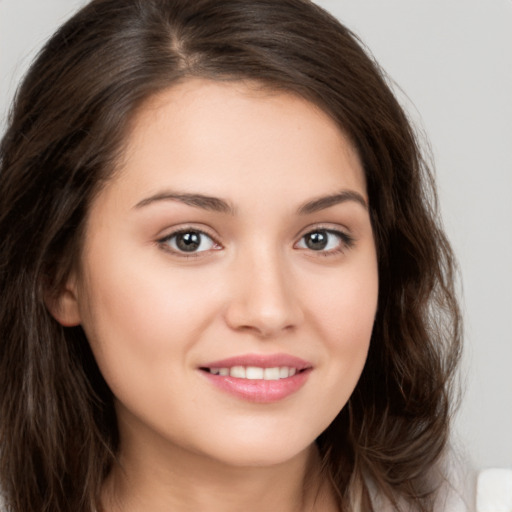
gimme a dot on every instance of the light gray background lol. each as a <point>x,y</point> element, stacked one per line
<point>453,59</point>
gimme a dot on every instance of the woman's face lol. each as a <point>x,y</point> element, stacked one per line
<point>228,282</point>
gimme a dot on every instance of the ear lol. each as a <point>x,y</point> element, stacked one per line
<point>63,303</point>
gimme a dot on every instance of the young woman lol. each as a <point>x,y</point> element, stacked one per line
<point>224,286</point>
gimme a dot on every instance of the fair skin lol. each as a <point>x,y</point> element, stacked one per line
<point>237,227</point>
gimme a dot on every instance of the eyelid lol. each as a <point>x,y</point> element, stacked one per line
<point>347,240</point>
<point>162,241</point>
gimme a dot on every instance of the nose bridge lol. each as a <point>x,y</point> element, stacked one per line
<point>263,299</point>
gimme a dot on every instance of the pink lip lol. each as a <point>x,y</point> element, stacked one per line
<point>260,391</point>
<point>261,360</point>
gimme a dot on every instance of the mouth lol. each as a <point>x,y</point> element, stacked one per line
<point>258,378</point>
<point>255,372</point>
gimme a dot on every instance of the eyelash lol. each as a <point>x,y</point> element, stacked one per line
<point>345,242</point>
<point>165,242</point>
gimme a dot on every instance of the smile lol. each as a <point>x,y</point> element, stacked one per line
<point>258,378</point>
<point>255,372</point>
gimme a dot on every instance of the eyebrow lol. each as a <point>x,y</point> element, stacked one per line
<point>324,202</point>
<point>210,203</point>
<point>219,205</point>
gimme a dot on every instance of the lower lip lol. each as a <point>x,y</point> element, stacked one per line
<point>259,390</point>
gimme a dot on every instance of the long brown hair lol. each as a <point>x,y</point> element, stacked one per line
<point>58,432</point>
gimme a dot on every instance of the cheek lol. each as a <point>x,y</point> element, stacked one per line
<point>140,333</point>
<point>141,314</point>
<point>345,313</point>
<point>140,299</point>
<point>345,307</point>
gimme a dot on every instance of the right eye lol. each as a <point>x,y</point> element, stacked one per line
<point>189,241</point>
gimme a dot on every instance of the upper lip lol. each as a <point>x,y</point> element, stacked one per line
<point>261,361</point>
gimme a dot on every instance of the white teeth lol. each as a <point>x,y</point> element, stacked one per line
<point>284,372</point>
<point>237,371</point>
<point>271,374</point>
<point>255,372</point>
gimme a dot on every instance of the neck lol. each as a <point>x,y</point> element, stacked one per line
<point>181,481</point>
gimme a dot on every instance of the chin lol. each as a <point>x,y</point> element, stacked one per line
<point>258,457</point>
<point>266,449</point>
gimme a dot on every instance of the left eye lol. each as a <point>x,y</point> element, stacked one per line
<point>323,240</point>
<point>189,241</point>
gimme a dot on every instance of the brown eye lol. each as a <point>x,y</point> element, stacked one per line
<point>325,240</point>
<point>317,241</point>
<point>189,241</point>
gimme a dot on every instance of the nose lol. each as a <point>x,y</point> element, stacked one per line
<point>264,299</point>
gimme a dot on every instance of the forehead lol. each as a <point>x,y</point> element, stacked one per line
<point>206,133</point>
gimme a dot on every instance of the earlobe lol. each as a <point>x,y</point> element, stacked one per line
<point>63,304</point>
